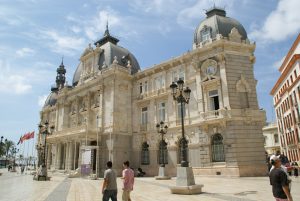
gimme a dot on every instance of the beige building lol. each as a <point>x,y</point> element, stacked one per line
<point>270,132</point>
<point>286,98</point>
<point>113,107</point>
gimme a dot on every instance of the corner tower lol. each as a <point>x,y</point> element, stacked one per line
<point>232,121</point>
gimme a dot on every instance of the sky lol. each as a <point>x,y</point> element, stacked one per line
<point>36,34</point>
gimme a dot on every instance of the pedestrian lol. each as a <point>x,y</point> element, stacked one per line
<point>295,167</point>
<point>128,181</point>
<point>22,169</point>
<point>109,187</point>
<point>279,181</point>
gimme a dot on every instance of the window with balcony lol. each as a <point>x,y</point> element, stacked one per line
<point>145,156</point>
<point>162,111</point>
<point>178,74</point>
<point>159,82</point>
<point>217,148</point>
<point>214,100</point>
<point>143,88</point>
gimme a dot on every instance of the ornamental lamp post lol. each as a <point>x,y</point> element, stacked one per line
<point>162,129</point>
<point>45,132</point>
<point>182,96</point>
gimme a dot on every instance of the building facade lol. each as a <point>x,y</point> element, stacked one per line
<point>286,98</point>
<point>270,132</point>
<point>113,106</point>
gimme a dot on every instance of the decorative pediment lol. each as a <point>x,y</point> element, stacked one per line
<point>242,85</point>
<point>234,35</point>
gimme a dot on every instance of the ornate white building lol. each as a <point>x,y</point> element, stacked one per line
<point>114,106</point>
<point>272,144</point>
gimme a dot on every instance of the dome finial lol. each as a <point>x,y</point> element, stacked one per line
<point>62,60</point>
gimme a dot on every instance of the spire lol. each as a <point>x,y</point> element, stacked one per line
<point>106,33</point>
<point>61,77</point>
<point>107,37</point>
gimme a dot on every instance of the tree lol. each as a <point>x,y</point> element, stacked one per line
<point>8,147</point>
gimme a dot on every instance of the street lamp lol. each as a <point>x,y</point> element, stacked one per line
<point>39,148</point>
<point>182,96</point>
<point>45,132</point>
<point>162,129</point>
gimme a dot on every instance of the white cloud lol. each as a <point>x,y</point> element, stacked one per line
<point>75,29</point>
<point>16,80</point>
<point>25,52</point>
<point>281,23</point>
<point>41,100</point>
<point>98,23</point>
<point>12,83</point>
<point>193,13</point>
<point>62,44</point>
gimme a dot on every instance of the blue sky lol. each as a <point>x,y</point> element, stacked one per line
<point>36,34</point>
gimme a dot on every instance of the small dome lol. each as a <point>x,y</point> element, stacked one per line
<point>51,99</point>
<point>215,23</point>
<point>110,50</point>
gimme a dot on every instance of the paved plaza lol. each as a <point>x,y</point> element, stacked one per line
<point>17,187</point>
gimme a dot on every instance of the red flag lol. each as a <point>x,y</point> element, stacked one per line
<point>26,136</point>
<point>31,135</point>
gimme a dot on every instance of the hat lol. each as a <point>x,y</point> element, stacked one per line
<point>274,158</point>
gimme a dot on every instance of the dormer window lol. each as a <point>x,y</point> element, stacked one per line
<point>205,33</point>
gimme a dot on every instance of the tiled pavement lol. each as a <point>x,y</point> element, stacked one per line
<point>17,187</point>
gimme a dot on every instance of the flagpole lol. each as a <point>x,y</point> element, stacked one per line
<point>23,153</point>
<point>33,151</point>
<point>27,153</point>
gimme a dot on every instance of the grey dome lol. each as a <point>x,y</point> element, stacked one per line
<point>110,49</point>
<point>51,99</point>
<point>216,22</point>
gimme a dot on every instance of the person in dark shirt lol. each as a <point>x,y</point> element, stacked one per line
<point>279,181</point>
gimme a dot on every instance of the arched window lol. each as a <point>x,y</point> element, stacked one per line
<point>162,153</point>
<point>217,148</point>
<point>145,157</point>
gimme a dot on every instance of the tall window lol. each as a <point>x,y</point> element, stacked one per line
<point>159,82</point>
<point>217,148</point>
<point>144,118</point>
<point>276,138</point>
<point>181,74</point>
<point>205,34</point>
<point>214,100</point>
<point>145,157</point>
<point>179,110</point>
<point>145,87</point>
<point>178,74</point>
<point>141,88</point>
<point>162,111</point>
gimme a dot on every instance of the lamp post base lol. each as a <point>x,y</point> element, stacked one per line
<point>185,182</point>
<point>161,174</point>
